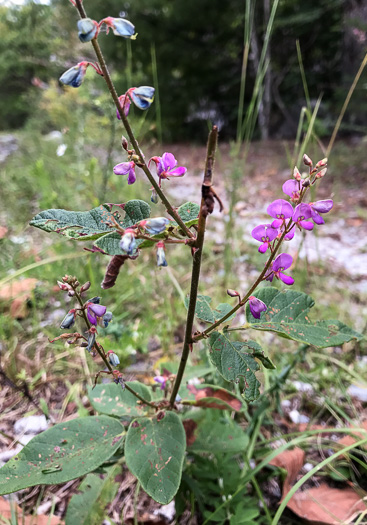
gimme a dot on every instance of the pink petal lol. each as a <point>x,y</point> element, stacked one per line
<point>177,172</point>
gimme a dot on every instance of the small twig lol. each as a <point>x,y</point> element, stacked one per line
<point>205,208</point>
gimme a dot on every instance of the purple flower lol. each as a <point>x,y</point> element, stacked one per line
<point>125,104</point>
<point>292,188</point>
<point>281,210</point>
<point>303,212</point>
<point>162,380</point>
<point>126,168</point>
<point>289,236</point>
<point>256,306</point>
<point>167,167</point>
<point>94,311</point>
<point>74,76</point>
<point>282,262</point>
<point>265,234</point>
<point>320,207</point>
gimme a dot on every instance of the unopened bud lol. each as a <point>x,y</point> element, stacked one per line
<point>68,320</point>
<point>306,183</point>
<point>71,293</point>
<point>124,143</point>
<point>85,287</point>
<point>64,287</point>
<point>232,293</point>
<point>154,196</point>
<point>296,174</point>
<point>306,160</point>
<point>321,174</point>
<point>65,278</point>
<point>135,158</point>
<point>321,163</point>
<point>76,283</point>
<point>113,358</point>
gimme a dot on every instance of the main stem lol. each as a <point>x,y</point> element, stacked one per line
<point>129,131</point>
<point>196,263</point>
<point>105,360</point>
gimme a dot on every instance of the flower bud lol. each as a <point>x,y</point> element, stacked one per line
<point>65,278</point>
<point>64,287</point>
<point>142,96</point>
<point>113,358</point>
<point>321,163</point>
<point>232,293</point>
<point>321,174</point>
<point>85,287</point>
<point>71,293</point>
<point>306,160</point>
<point>68,320</point>
<point>91,338</point>
<point>128,242</point>
<point>154,196</point>
<point>94,300</point>
<point>256,306</point>
<point>306,183</point>
<point>120,27</point>
<point>161,257</point>
<point>87,29</point>
<point>296,174</point>
<point>124,143</point>
<point>156,225</point>
<point>74,76</point>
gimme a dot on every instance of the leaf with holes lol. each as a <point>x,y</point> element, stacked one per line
<point>110,399</point>
<point>78,225</point>
<point>235,359</point>
<point>154,452</point>
<point>64,452</point>
<point>209,396</point>
<point>286,315</point>
<point>204,311</point>
<point>96,491</point>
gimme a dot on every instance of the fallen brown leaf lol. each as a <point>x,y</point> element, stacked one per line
<point>18,292</point>
<point>211,397</point>
<point>349,440</point>
<point>3,231</point>
<point>5,512</point>
<point>322,505</point>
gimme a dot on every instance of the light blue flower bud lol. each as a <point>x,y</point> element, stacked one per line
<point>128,243</point>
<point>154,197</point>
<point>113,358</point>
<point>87,29</point>
<point>74,76</point>
<point>161,256</point>
<point>107,318</point>
<point>142,96</point>
<point>154,226</point>
<point>68,320</point>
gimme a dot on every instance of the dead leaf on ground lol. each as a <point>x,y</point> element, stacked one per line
<point>321,505</point>
<point>18,292</point>
<point>214,397</point>
<point>3,231</point>
<point>5,512</point>
<point>350,439</point>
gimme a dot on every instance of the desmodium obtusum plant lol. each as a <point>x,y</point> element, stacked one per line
<point>153,428</point>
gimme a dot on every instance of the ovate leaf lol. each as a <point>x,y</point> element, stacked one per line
<point>216,435</point>
<point>135,211</point>
<point>204,311</point>
<point>66,451</point>
<point>189,213</point>
<point>79,225</point>
<point>235,359</point>
<point>110,399</point>
<point>88,505</point>
<point>154,451</point>
<point>287,315</point>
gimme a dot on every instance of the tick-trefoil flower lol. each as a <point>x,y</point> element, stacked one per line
<point>91,338</point>
<point>105,320</point>
<point>125,104</point>
<point>292,188</point>
<point>282,262</point>
<point>87,29</point>
<point>167,167</point>
<point>161,256</point>
<point>256,306</point>
<point>296,174</point>
<point>126,168</point>
<point>265,234</point>
<point>142,96</point>
<point>120,27</point>
<point>321,163</point>
<point>320,207</point>
<point>94,311</point>
<point>69,319</point>
<point>154,226</point>
<point>113,358</point>
<point>128,242</point>
<point>74,76</point>
<point>154,196</point>
<point>281,210</point>
<point>301,215</point>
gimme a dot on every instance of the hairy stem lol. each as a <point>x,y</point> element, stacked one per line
<point>102,355</point>
<point>129,131</point>
<point>196,264</point>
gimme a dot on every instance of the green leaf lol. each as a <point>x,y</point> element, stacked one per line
<point>79,225</point>
<point>110,399</point>
<point>217,436</point>
<point>210,396</point>
<point>110,244</point>
<point>135,211</point>
<point>204,311</point>
<point>287,315</point>
<point>154,451</point>
<point>189,213</point>
<point>88,505</point>
<point>235,359</point>
<point>64,452</point>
